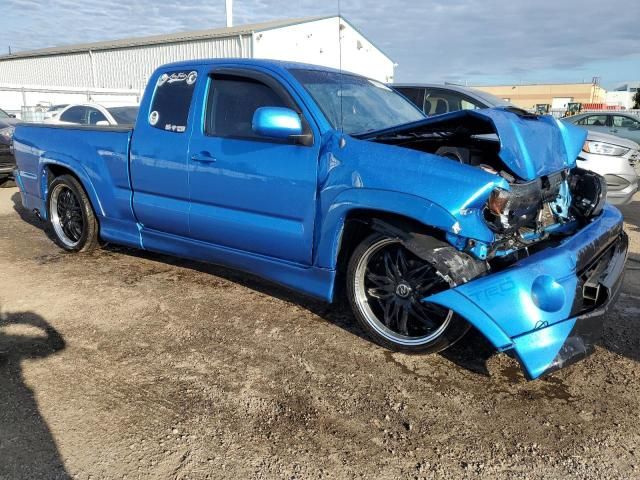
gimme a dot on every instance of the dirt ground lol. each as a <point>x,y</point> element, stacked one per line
<point>122,364</point>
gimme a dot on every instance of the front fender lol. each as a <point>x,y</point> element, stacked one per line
<point>435,191</point>
<point>410,206</point>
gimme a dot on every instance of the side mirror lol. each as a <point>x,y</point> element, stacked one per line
<point>277,122</point>
<point>12,115</point>
<point>102,123</point>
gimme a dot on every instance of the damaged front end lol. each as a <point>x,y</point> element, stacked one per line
<point>530,213</point>
<point>556,259</point>
<point>547,307</point>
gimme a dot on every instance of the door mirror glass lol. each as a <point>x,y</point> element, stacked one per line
<point>276,122</point>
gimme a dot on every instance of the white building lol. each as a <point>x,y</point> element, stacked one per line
<point>116,71</point>
<point>622,95</point>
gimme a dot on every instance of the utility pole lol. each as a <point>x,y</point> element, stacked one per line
<point>9,49</point>
<point>229,8</point>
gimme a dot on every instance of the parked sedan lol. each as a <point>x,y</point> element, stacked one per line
<point>7,160</point>
<point>95,114</point>
<point>54,110</point>
<point>435,99</point>
<point>616,159</point>
<point>619,124</point>
<point>603,153</point>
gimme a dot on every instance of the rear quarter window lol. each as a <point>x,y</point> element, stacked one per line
<point>172,100</point>
<point>74,115</point>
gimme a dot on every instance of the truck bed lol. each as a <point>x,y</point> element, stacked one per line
<point>99,154</point>
<point>69,126</point>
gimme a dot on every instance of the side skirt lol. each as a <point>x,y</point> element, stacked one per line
<point>314,281</point>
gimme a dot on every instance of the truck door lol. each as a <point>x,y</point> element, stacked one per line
<point>159,154</point>
<point>248,192</point>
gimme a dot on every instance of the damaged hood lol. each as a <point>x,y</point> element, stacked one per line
<point>530,145</point>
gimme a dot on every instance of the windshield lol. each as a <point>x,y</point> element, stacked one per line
<point>124,115</point>
<point>4,114</point>
<point>356,104</point>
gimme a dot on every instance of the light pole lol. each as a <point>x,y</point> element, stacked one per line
<point>229,9</point>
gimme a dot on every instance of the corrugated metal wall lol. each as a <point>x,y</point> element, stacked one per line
<point>130,68</point>
<point>119,68</point>
<point>72,70</point>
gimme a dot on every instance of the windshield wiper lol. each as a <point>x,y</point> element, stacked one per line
<point>407,135</point>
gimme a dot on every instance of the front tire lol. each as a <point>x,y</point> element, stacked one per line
<point>385,286</point>
<point>71,215</point>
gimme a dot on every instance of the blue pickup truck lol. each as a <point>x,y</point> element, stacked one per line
<point>333,184</point>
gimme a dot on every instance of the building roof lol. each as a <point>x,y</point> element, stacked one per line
<point>167,38</point>
<point>625,86</point>
<point>552,84</point>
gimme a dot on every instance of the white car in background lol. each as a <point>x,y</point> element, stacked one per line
<point>54,111</point>
<point>95,114</point>
<point>617,159</point>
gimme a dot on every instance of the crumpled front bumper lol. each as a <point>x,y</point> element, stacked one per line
<point>548,307</point>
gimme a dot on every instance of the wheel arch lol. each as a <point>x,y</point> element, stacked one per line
<point>52,170</point>
<point>391,210</point>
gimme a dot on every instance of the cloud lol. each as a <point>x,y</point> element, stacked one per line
<point>430,40</point>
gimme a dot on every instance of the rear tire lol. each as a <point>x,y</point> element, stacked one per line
<point>71,215</point>
<point>385,285</point>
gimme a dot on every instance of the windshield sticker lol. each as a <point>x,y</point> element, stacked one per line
<point>175,128</point>
<point>190,78</point>
<point>154,117</point>
<point>163,79</point>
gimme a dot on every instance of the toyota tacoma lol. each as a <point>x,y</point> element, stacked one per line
<point>332,184</point>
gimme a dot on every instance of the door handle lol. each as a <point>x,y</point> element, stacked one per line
<point>203,157</point>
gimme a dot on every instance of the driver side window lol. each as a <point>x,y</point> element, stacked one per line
<point>594,120</point>
<point>625,122</point>
<point>94,116</point>
<point>439,101</point>
<point>233,101</point>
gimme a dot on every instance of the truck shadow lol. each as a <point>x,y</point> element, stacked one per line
<point>471,353</point>
<point>27,448</point>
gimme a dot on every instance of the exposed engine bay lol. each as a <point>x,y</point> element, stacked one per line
<point>531,210</point>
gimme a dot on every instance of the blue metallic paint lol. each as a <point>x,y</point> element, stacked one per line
<point>259,196</point>
<point>506,299</point>
<point>276,122</point>
<point>278,210</point>
<point>530,146</point>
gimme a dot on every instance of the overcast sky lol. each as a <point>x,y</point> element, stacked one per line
<point>473,41</point>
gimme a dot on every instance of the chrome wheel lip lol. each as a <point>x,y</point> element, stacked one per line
<point>362,301</point>
<point>55,217</point>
